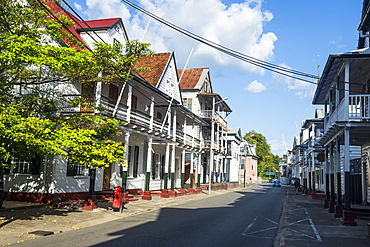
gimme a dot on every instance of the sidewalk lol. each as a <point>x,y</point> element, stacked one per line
<point>18,219</point>
<point>305,222</point>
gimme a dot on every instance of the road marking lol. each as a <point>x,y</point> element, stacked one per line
<point>247,233</point>
<point>312,225</point>
<point>314,228</point>
<point>249,226</point>
<point>263,230</point>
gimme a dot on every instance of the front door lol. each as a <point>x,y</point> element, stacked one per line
<point>107,177</point>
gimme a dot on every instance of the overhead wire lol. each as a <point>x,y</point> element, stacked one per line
<point>294,74</point>
<point>268,66</point>
<point>248,58</point>
<point>91,29</point>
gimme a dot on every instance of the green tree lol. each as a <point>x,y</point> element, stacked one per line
<point>267,162</point>
<point>37,54</point>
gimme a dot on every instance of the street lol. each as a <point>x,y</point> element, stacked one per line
<point>248,217</point>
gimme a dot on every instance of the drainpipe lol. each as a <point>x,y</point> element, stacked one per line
<point>366,37</point>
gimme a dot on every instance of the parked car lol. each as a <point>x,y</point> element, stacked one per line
<point>276,183</point>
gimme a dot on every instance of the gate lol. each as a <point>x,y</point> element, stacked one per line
<point>355,181</point>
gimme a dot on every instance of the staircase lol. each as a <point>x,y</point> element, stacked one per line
<point>107,196</point>
<point>362,212</point>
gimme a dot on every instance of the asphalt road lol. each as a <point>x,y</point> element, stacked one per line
<point>242,218</point>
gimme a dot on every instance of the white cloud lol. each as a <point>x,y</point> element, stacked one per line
<point>305,89</point>
<point>78,6</point>
<point>97,9</point>
<point>278,147</point>
<point>256,87</point>
<point>337,43</point>
<point>238,26</point>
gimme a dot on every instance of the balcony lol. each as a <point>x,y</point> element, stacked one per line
<point>358,110</point>
<point>217,118</point>
<point>85,104</point>
<point>88,102</point>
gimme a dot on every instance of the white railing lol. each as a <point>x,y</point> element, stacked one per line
<point>358,109</point>
<point>359,106</point>
<point>137,117</point>
<point>206,113</point>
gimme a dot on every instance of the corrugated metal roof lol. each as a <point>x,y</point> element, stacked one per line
<point>157,65</point>
<point>190,77</point>
<point>101,23</point>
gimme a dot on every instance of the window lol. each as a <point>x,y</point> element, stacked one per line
<point>23,167</point>
<point>113,92</point>
<point>76,170</point>
<point>159,115</point>
<point>188,102</point>
<point>136,161</point>
<point>134,102</point>
<point>154,166</point>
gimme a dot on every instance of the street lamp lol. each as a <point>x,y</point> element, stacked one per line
<point>212,141</point>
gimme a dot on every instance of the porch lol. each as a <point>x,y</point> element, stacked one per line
<point>356,110</point>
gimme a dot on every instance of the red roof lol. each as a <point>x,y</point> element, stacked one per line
<point>157,65</point>
<point>190,77</point>
<point>101,23</point>
<point>75,29</point>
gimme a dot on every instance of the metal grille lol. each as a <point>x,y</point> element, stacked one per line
<point>355,166</point>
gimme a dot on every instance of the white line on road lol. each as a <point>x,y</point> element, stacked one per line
<point>249,227</point>
<point>263,230</point>
<point>245,233</point>
<point>314,228</point>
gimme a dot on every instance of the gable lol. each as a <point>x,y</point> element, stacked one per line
<point>162,73</point>
<point>169,81</point>
<point>110,30</point>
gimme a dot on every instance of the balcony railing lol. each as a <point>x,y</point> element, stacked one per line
<point>217,118</point>
<point>359,107</point>
<point>358,110</point>
<point>206,113</point>
<point>86,103</point>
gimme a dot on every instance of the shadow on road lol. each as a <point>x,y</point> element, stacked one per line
<point>226,220</point>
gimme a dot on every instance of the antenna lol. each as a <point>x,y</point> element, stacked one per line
<point>298,130</point>
<point>286,147</point>
<point>318,66</point>
<point>147,25</point>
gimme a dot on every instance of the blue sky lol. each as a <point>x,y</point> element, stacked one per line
<point>296,34</point>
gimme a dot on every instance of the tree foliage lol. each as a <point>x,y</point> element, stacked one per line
<point>37,53</point>
<point>267,162</point>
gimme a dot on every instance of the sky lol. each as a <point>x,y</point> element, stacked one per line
<point>295,34</point>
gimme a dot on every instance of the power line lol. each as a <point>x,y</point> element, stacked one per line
<point>294,74</point>
<point>90,29</point>
<point>222,48</point>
